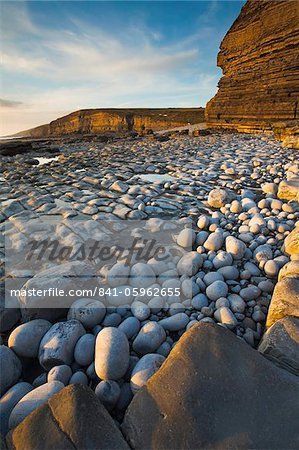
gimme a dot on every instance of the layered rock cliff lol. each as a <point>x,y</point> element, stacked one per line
<point>259,57</point>
<point>117,120</point>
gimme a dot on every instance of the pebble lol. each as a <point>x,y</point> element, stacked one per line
<point>87,311</point>
<point>112,320</point>
<point>57,345</point>
<point>125,397</point>
<point>149,338</point>
<point>175,323</point>
<point>263,253</point>
<point>211,277</point>
<point>164,349</point>
<point>222,259</point>
<point>140,310</point>
<point>203,222</point>
<point>237,304</point>
<point>142,275</point>
<point>111,354</point>
<point>79,377</point>
<point>146,367</point>
<point>61,373</point>
<point>189,264</point>
<point>186,238</point>
<point>224,315</point>
<point>84,349</point>
<point>118,275</point>
<point>216,290</point>
<point>40,379</point>
<point>201,237</point>
<point>240,244</point>
<point>9,400</point>
<point>199,301</point>
<point>217,198</point>
<point>229,272</point>
<point>32,401</point>
<point>214,241</point>
<point>108,392</point>
<point>25,339</point>
<point>250,293</point>
<point>235,247</point>
<point>271,268</point>
<point>11,369</point>
<point>130,327</point>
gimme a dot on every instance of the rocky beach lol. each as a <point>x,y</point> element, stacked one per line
<point>239,217</point>
<point>150,266</point>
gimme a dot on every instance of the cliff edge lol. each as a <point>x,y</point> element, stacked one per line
<point>259,57</point>
<point>141,120</point>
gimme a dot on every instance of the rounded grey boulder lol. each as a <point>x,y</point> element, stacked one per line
<point>9,401</point>
<point>222,259</point>
<point>237,304</point>
<point>84,349</point>
<point>149,338</point>
<point>61,373</point>
<point>118,275</point>
<point>32,401</point>
<point>216,290</point>
<point>199,301</point>
<point>140,310</point>
<point>112,354</point>
<point>25,339</point>
<point>142,275</point>
<point>108,392</point>
<point>130,326</point>
<point>263,253</point>
<point>214,241</point>
<point>57,346</point>
<point>88,311</point>
<point>225,316</point>
<point>189,264</point>
<point>175,323</point>
<point>79,377</point>
<point>235,247</point>
<point>11,368</point>
<point>186,238</point>
<point>145,369</point>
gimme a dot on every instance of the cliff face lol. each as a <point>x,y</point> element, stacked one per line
<point>259,57</point>
<point>117,120</point>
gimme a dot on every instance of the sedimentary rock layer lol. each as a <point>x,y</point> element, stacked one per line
<point>117,120</point>
<point>259,57</point>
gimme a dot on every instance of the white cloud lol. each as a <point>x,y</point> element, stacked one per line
<point>84,67</point>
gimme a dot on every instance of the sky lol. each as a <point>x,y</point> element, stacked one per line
<point>61,56</point>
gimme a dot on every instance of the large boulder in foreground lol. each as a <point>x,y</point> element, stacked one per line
<point>280,344</point>
<point>72,419</point>
<point>285,300</point>
<point>215,392</point>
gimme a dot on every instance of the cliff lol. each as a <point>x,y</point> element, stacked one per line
<point>259,57</point>
<point>93,121</point>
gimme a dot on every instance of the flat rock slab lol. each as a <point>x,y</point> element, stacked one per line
<point>215,392</point>
<point>72,419</point>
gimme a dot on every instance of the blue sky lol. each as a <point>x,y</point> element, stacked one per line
<point>62,56</point>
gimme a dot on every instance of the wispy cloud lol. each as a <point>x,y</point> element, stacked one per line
<point>81,66</point>
<point>4,103</point>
